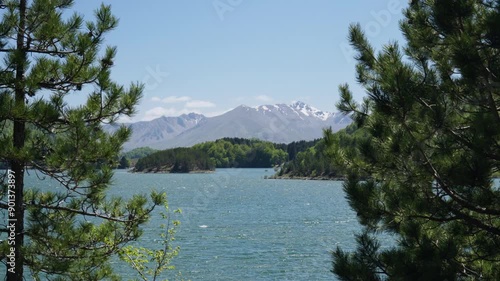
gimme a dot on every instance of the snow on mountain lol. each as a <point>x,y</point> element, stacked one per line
<point>299,108</point>
<point>280,123</point>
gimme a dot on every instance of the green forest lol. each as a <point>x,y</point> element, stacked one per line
<point>418,163</point>
<point>301,159</point>
<point>138,153</point>
<point>316,162</point>
<point>222,153</point>
<point>177,160</point>
<point>130,158</point>
<point>243,153</point>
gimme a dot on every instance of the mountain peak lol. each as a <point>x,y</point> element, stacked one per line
<point>299,104</point>
<point>280,123</point>
<point>193,115</point>
<point>308,110</point>
<point>300,108</point>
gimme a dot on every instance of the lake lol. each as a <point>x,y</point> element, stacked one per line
<point>236,225</point>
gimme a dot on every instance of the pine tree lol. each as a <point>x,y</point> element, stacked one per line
<point>433,126</point>
<point>124,163</point>
<point>68,233</point>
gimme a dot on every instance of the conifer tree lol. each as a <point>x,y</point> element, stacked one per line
<point>124,163</point>
<point>432,119</point>
<point>68,233</point>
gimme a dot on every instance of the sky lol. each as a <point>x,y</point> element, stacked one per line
<point>210,56</point>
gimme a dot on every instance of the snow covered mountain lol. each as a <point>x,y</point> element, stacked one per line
<point>163,129</point>
<point>304,111</point>
<point>280,123</point>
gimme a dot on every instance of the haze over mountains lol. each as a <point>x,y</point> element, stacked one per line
<point>279,123</point>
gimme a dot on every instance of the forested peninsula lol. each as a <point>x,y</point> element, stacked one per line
<point>296,160</point>
<point>222,153</point>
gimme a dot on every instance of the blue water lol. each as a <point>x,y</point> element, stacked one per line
<point>236,225</point>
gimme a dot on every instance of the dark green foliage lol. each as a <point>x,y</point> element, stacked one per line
<point>222,153</point>
<point>70,232</point>
<point>248,153</point>
<point>124,163</point>
<point>177,160</point>
<point>296,147</point>
<point>316,161</point>
<point>243,153</point>
<point>139,152</point>
<point>432,147</point>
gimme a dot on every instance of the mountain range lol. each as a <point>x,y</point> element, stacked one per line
<point>279,123</point>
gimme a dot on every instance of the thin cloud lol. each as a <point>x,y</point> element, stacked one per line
<point>199,104</point>
<point>264,98</point>
<point>179,106</point>
<point>171,99</point>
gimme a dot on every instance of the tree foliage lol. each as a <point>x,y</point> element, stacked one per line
<point>139,152</point>
<point>224,153</point>
<point>150,263</point>
<point>293,148</point>
<point>432,117</point>
<point>316,161</point>
<point>124,163</point>
<point>70,232</point>
<point>243,153</point>
<point>176,160</point>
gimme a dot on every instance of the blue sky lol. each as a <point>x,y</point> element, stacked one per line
<point>209,56</point>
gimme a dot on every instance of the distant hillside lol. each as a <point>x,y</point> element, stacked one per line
<point>222,153</point>
<point>160,130</point>
<point>279,123</point>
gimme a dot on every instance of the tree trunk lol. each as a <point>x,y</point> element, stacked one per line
<point>17,165</point>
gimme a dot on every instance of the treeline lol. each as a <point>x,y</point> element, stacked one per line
<point>224,153</point>
<point>312,163</point>
<point>130,158</point>
<point>318,161</point>
<point>243,153</point>
<point>138,153</point>
<point>292,149</point>
<point>176,160</point>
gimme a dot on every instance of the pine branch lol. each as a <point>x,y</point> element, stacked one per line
<point>132,219</point>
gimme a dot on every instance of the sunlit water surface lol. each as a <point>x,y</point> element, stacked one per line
<point>237,225</point>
